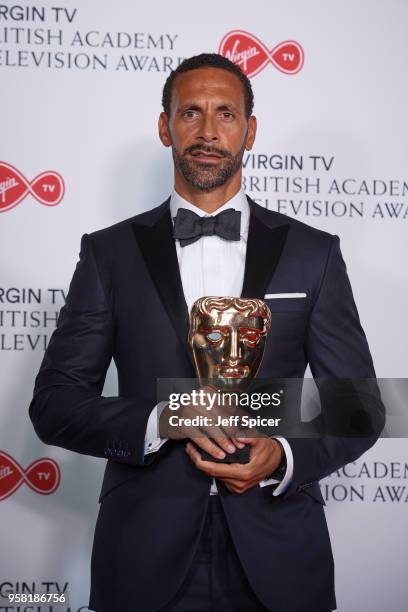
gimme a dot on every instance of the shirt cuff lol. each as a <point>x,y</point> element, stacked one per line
<point>287,479</point>
<point>152,439</point>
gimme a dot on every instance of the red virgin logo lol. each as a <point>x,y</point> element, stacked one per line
<point>42,476</point>
<point>47,188</point>
<point>252,55</point>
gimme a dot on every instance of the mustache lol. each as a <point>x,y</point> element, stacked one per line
<point>206,149</point>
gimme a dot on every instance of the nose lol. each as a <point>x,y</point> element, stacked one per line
<point>234,353</point>
<point>208,128</point>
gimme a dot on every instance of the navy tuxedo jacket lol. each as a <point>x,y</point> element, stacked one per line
<point>126,301</point>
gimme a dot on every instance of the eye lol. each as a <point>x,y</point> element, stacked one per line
<point>251,338</point>
<point>227,115</point>
<point>214,336</point>
<point>190,114</point>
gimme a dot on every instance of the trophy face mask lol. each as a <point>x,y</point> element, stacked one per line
<point>227,337</point>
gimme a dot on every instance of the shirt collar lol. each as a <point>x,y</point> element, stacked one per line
<point>238,202</point>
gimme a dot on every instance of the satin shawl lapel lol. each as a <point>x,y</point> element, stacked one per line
<point>156,243</point>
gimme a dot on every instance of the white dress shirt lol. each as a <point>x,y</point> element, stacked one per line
<point>213,266</point>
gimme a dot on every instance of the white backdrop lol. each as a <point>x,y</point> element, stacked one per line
<point>79,99</point>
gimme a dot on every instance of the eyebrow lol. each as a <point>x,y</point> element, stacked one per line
<point>196,107</point>
<point>228,327</point>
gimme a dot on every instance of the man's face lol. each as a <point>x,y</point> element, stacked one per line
<point>228,347</point>
<point>207,129</point>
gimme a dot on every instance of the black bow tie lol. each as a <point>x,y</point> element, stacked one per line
<point>189,227</point>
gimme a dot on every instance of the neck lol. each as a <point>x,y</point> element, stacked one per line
<point>208,201</point>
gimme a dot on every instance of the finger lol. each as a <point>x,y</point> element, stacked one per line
<point>222,440</point>
<point>231,489</point>
<point>199,462</point>
<point>232,482</point>
<point>237,443</point>
<point>229,470</point>
<point>247,440</point>
<point>204,466</point>
<point>193,453</point>
<point>217,470</point>
<point>209,446</point>
<point>235,486</point>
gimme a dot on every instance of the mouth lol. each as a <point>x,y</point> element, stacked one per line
<point>233,371</point>
<point>203,156</point>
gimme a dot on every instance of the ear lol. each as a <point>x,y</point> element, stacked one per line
<point>251,133</point>
<point>164,132</point>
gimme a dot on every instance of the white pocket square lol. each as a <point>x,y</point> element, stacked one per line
<point>276,296</point>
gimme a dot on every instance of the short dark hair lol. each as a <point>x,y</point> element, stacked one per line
<point>208,60</point>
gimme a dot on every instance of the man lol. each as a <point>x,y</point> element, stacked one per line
<point>162,542</point>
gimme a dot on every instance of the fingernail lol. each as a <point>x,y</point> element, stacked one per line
<point>231,448</point>
<point>221,454</point>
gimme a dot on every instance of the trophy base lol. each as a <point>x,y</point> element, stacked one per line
<point>241,455</point>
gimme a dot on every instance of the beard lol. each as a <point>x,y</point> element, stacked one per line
<point>207,177</point>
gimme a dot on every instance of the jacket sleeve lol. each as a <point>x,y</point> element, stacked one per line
<point>67,408</point>
<point>340,360</point>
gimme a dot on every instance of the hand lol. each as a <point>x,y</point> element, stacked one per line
<point>214,439</point>
<point>266,456</point>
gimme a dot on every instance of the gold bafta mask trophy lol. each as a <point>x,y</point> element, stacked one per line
<point>227,336</point>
